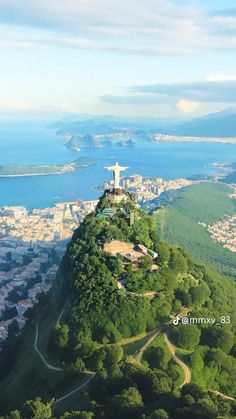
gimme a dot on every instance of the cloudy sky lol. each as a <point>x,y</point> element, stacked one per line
<point>124,57</point>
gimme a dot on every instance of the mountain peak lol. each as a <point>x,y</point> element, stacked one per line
<point>218,124</point>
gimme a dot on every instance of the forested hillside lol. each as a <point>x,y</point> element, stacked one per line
<point>116,314</point>
<point>178,222</point>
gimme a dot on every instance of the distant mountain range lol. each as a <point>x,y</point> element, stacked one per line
<point>87,131</point>
<point>220,124</point>
<point>92,131</point>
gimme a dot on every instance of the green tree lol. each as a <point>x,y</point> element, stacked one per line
<point>127,404</point>
<point>177,306</point>
<point>218,337</point>
<point>114,354</point>
<point>161,383</point>
<point>15,414</point>
<point>156,357</point>
<point>163,253</point>
<point>77,414</point>
<point>186,336</point>
<point>145,263</point>
<point>62,335</point>
<point>177,261</point>
<point>36,409</point>
<point>200,293</point>
<point>78,366</point>
<point>159,414</point>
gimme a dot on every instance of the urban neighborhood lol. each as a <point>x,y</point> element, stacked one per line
<point>31,247</point>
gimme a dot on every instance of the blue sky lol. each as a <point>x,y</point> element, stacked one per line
<point>122,57</point>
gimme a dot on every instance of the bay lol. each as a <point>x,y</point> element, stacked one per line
<point>33,143</point>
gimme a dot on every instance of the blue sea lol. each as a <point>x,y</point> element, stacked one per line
<point>33,143</point>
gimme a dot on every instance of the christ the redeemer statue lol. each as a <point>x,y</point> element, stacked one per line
<point>116,169</point>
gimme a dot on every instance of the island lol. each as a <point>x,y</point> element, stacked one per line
<point>10,170</point>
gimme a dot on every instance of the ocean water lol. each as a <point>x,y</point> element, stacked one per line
<point>33,143</point>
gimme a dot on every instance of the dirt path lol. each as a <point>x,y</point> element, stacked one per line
<point>223,396</point>
<point>187,371</point>
<point>178,361</point>
<point>152,335</point>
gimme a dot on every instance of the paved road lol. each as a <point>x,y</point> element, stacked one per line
<point>178,361</point>
<point>49,366</point>
<point>77,389</point>
<point>60,316</point>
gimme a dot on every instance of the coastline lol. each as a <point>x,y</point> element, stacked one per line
<point>69,169</point>
<point>191,139</point>
<point>37,174</point>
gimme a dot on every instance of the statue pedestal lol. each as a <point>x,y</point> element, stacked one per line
<point>116,194</point>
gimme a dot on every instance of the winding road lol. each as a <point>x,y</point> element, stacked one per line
<point>152,335</point>
<point>75,390</point>
<point>49,366</point>
<point>53,368</point>
<point>178,361</point>
<point>155,332</point>
<point>187,371</point>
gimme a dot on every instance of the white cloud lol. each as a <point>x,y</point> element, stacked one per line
<point>11,105</point>
<point>187,106</point>
<point>221,77</point>
<point>132,26</point>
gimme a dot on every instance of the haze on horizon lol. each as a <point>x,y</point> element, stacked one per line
<point>160,58</point>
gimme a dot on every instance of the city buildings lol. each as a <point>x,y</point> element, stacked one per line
<point>224,232</point>
<point>31,247</point>
<point>145,188</point>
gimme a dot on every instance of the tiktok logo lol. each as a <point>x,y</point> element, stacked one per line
<point>176,321</point>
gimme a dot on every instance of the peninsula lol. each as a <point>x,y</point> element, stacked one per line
<point>10,170</point>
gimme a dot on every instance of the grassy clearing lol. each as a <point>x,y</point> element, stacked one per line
<point>134,347</point>
<point>133,339</point>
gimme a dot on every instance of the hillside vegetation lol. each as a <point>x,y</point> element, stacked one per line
<point>101,317</point>
<point>178,223</point>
